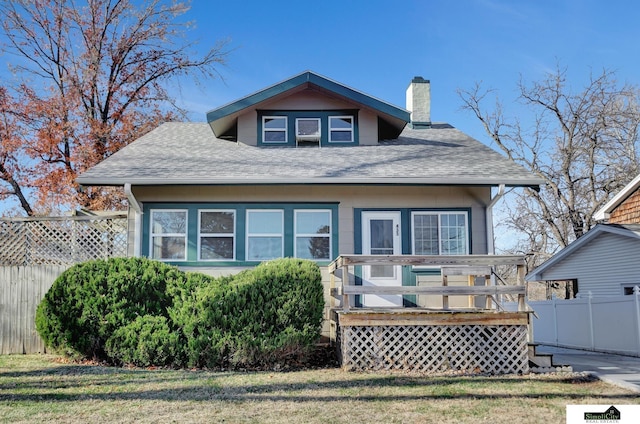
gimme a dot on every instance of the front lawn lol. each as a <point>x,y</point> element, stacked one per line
<point>36,388</point>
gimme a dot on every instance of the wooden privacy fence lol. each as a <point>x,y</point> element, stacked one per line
<point>22,290</point>
<point>468,339</point>
<point>603,324</point>
<point>33,253</point>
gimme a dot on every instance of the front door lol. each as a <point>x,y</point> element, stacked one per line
<point>381,236</point>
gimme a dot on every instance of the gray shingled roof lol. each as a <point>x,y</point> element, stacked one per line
<point>189,153</point>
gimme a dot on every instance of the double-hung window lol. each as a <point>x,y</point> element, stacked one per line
<point>169,234</point>
<point>340,129</point>
<point>440,233</point>
<point>216,235</point>
<point>274,129</point>
<point>265,234</point>
<point>313,234</point>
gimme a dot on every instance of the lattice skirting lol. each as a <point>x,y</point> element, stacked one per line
<point>492,349</point>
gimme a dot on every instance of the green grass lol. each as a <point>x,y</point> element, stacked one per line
<point>46,389</point>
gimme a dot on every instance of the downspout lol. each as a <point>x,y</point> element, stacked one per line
<point>491,250</point>
<point>137,230</point>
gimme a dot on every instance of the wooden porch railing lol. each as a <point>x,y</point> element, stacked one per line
<point>469,265</point>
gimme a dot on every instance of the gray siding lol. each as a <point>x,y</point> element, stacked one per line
<point>602,266</point>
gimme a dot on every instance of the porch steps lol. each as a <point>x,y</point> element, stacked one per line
<point>543,362</point>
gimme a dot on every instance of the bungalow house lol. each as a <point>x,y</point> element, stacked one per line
<point>311,168</point>
<point>604,261</point>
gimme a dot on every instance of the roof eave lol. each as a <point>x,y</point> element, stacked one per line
<point>603,213</point>
<point>538,273</point>
<point>258,97</point>
<point>121,181</point>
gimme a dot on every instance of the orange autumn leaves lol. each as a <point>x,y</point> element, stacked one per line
<point>90,79</point>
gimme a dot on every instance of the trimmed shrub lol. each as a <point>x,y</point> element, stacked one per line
<point>143,312</point>
<point>90,301</point>
<point>260,317</point>
<point>146,341</point>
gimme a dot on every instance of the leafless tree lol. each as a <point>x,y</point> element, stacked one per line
<point>583,145</point>
<point>91,77</point>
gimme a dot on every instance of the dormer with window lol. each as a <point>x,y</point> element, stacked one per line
<point>308,110</point>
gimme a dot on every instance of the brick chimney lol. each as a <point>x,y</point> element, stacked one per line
<point>419,103</point>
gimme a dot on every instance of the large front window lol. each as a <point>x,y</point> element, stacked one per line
<point>313,234</point>
<point>440,233</point>
<point>216,235</point>
<point>265,235</point>
<point>169,234</point>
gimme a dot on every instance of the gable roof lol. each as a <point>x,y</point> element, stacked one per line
<point>189,153</point>
<point>604,212</point>
<point>630,230</point>
<point>223,117</point>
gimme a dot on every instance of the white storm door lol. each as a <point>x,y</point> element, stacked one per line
<point>381,235</point>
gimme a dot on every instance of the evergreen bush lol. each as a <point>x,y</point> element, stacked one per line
<point>90,301</point>
<point>260,317</point>
<point>146,341</point>
<point>144,312</point>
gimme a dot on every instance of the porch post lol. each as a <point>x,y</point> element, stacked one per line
<point>345,282</point>
<point>521,273</point>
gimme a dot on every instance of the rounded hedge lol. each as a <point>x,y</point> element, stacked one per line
<point>90,301</point>
<point>260,317</point>
<point>143,312</point>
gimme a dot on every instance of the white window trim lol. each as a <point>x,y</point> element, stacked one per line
<point>185,235</point>
<point>285,129</point>
<point>296,234</point>
<point>439,214</point>
<point>227,235</point>
<point>351,130</point>
<point>249,234</point>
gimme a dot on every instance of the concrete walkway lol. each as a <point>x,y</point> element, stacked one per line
<point>623,371</point>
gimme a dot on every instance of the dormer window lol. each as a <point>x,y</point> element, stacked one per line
<point>313,128</point>
<point>308,130</point>
<point>340,129</point>
<point>274,129</point>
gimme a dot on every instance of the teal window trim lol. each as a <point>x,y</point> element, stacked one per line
<point>301,235</point>
<point>440,226</point>
<point>153,235</point>
<point>202,235</point>
<point>240,229</point>
<point>255,236</point>
<point>409,273</point>
<point>292,117</point>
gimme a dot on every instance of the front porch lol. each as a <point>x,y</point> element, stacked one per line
<point>470,331</point>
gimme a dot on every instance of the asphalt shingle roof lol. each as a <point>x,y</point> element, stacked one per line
<point>189,153</point>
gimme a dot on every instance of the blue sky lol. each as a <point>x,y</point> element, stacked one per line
<point>377,46</point>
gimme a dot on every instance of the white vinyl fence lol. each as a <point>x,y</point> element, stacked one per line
<point>608,324</point>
